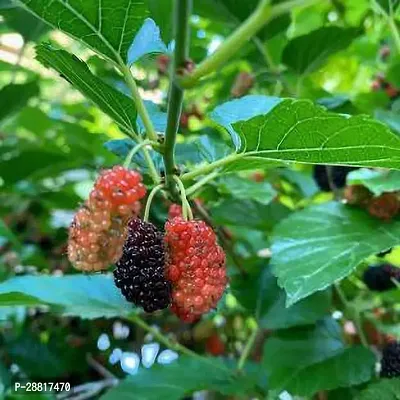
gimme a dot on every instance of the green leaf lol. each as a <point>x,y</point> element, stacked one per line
<point>26,24</point>
<point>377,181</point>
<point>305,361</point>
<point>390,118</point>
<point>385,389</point>
<point>235,12</point>
<point>247,189</point>
<point>297,130</point>
<point>393,74</point>
<point>305,54</point>
<point>35,358</point>
<point>241,109</point>
<point>260,294</point>
<point>182,377</point>
<point>389,6</point>
<point>39,160</point>
<point>14,97</point>
<point>249,214</point>
<point>115,104</point>
<point>313,248</point>
<point>161,12</point>
<point>76,295</point>
<point>147,41</point>
<point>108,26</point>
<point>158,118</point>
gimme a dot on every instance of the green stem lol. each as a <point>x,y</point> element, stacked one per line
<point>231,45</point>
<point>163,339</point>
<point>141,109</point>
<point>182,14</point>
<point>287,6</point>
<point>247,349</point>
<point>149,201</point>
<point>152,168</point>
<point>395,32</point>
<point>264,51</point>
<point>240,37</point>
<point>186,210</point>
<point>205,169</point>
<point>134,150</point>
<point>192,189</point>
<point>353,313</point>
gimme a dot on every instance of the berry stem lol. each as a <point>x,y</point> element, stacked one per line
<point>257,20</point>
<point>163,339</point>
<point>353,313</point>
<point>186,210</point>
<point>208,168</point>
<point>141,109</point>
<point>182,12</point>
<point>149,161</point>
<point>134,150</point>
<point>150,200</point>
<point>247,349</point>
<point>196,186</point>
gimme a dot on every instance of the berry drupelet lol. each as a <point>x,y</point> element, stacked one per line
<point>98,230</point>
<point>380,278</point>
<point>195,267</point>
<point>391,361</point>
<point>140,273</point>
<point>385,207</point>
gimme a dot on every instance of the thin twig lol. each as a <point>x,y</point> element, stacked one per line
<point>104,372</point>
<point>353,313</point>
<point>247,349</point>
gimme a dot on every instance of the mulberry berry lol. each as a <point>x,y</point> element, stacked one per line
<point>98,230</point>
<point>140,273</point>
<point>357,195</point>
<point>379,278</point>
<point>391,360</point>
<point>385,206</point>
<point>339,175</point>
<point>215,345</point>
<point>244,81</point>
<point>195,267</point>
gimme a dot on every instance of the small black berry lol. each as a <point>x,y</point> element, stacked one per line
<point>379,278</point>
<point>339,175</point>
<point>140,273</point>
<point>391,361</point>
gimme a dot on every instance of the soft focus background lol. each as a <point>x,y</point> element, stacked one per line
<point>53,142</point>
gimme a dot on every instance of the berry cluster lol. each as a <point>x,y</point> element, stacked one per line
<point>195,267</point>
<point>140,273</point>
<point>390,364</point>
<point>185,268</point>
<point>380,278</point>
<point>98,230</point>
<point>385,207</point>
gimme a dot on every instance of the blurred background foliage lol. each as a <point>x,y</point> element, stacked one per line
<point>52,145</point>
